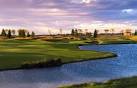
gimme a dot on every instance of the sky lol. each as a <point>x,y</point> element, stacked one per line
<point>43,15</point>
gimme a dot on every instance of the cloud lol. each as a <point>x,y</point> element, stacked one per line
<point>65,14</point>
<point>129,11</point>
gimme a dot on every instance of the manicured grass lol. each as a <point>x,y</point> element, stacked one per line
<point>15,52</point>
<point>119,83</point>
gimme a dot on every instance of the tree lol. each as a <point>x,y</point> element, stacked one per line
<point>9,34</point>
<point>28,34</point>
<point>13,32</point>
<point>72,32</point>
<point>95,34</point>
<point>88,34</point>
<point>135,32</point>
<point>32,34</point>
<point>76,32</point>
<point>22,33</point>
<point>3,33</point>
<point>6,30</point>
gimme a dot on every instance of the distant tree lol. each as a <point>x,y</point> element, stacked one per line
<point>72,32</point>
<point>32,34</point>
<point>22,33</point>
<point>6,30</point>
<point>13,32</point>
<point>3,33</point>
<point>95,34</point>
<point>28,34</point>
<point>9,34</point>
<point>79,32</point>
<point>122,32</point>
<point>135,32</point>
<point>88,34</point>
<point>76,32</point>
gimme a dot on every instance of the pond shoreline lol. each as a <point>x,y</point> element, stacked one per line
<point>79,60</point>
<point>125,82</point>
<point>106,57</point>
<point>63,63</point>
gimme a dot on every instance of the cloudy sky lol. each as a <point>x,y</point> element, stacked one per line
<point>44,15</point>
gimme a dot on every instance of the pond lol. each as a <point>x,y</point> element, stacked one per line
<point>125,65</point>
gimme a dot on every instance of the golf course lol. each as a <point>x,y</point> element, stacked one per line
<point>13,53</point>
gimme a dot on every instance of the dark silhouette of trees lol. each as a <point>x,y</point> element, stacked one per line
<point>76,32</point>
<point>73,32</point>
<point>12,33</point>
<point>9,34</point>
<point>3,33</point>
<point>95,34</point>
<point>28,34</point>
<point>22,33</point>
<point>135,32</point>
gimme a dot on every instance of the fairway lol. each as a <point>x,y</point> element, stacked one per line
<point>15,52</point>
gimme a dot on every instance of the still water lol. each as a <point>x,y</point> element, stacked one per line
<point>125,65</point>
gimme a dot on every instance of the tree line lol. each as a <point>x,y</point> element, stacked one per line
<point>79,32</point>
<point>20,33</point>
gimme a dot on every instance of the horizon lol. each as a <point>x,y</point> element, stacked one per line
<point>43,15</point>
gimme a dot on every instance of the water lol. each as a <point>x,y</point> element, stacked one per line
<point>125,65</point>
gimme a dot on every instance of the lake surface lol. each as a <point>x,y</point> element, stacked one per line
<point>125,65</point>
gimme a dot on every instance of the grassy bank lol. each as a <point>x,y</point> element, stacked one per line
<point>13,53</point>
<point>119,83</point>
<point>114,39</point>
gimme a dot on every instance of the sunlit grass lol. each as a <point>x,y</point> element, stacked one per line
<point>118,83</point>
<point>14,52</point>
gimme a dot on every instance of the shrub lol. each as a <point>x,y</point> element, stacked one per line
<point>42,64</point>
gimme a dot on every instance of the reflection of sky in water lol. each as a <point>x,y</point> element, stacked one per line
<point>99,70</point>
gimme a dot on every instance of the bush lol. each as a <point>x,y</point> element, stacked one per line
<point>42,64</point>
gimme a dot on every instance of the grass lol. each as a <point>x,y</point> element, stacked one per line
<point>118,83</point>
<point>114,39</point>
<point>15,52</point>
<point>134,38</point>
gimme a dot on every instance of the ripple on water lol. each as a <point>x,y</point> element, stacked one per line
<point>124,65</point>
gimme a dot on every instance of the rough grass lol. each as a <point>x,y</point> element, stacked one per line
<point>14,52</point>
<point>134,38</point>
<point>114,39</point>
